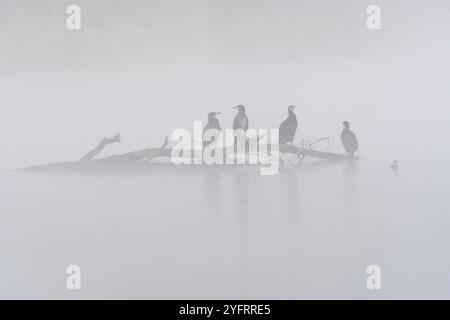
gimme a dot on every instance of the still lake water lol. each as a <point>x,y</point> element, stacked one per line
<point>226,233</point>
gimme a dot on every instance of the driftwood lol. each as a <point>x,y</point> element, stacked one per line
<point>308,152</point>
<point>144,154</point>
<point>163,151</point>
<point>130,159</point>
<point>92,154</point>
<point>150,153</point>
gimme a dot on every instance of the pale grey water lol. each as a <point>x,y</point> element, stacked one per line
<point>226,233</point>
<point>145,68</point>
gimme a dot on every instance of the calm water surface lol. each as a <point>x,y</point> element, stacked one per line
<point>222,233</point>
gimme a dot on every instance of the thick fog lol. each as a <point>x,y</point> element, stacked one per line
<point>145,68</point>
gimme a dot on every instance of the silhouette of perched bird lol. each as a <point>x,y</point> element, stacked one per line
<point>394,166</point>
<point>349,140</point>
<point>288,127</point>
<point>240,120</point>
<point>213,123</point>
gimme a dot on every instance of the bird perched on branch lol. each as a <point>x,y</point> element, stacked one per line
<point>240,120</point>
<point>349,140</point>
<point>288,127</point>
<point>213,124</point>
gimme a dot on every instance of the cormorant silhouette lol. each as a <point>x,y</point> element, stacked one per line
<point>240,120</point>
<point>349,140</point>
<point>288,127</point>
<point>213,123</point>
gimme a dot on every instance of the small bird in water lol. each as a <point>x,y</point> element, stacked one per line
<point>394,166</point>
<point>213,124</point>
<point>349,140</point>
<point>240,120</point>
<point>288,127</point>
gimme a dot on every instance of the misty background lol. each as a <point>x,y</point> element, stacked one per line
<point>146,68</point>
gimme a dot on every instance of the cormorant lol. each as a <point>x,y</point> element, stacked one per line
<point>288,127</point>
<point>394,166</point>
<point>349,140</point>
<point>240,120</point>
<point>213,123</point>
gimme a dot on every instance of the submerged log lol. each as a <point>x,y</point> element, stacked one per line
<point>167,152</point>
<point>131,158</point>
<point>93,153</point>
<point>307,152</point>
<point>144,154</point>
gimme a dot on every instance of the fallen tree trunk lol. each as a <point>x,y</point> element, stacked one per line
<point>127,159</point>
<point>305,152</point>
<point>93,153</point>
<point>144,154</point>
<point>167,152</point>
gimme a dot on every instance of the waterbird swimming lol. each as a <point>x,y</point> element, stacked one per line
<point>394,166</point>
